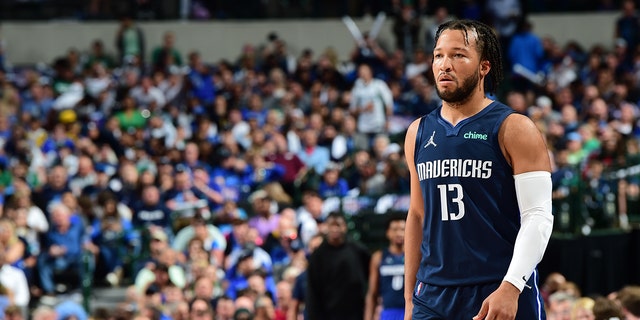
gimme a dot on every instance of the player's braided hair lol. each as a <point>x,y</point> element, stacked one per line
<point>487,45</point>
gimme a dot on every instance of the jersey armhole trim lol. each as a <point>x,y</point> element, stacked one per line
<point>416,147</point>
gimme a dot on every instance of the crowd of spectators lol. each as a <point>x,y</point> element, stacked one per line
<point>204,184</point>
<point>261,9</point>
<point>565,301</point>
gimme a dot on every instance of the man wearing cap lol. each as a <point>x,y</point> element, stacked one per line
<point>574,145</point>
<point>242,237</point>
<point>158,244</point>
<point>162,266</point>
<point>211,237</point>
<point>238,276</point>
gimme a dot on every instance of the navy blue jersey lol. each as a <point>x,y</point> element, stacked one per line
<point>391,271</point>
<point>471,212</point>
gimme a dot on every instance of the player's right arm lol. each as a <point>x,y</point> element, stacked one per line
<point>371,301</point>
<point>415,218</point>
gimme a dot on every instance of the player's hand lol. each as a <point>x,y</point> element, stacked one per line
<point>502,304</point>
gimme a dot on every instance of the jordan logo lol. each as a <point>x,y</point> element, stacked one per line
<point>430,142</point>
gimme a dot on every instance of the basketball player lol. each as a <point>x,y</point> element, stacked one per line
<point>480,218</point>
<point>386,274</point>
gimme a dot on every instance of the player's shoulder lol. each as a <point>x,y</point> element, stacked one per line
<point>411,135</point>
<point>414,124</point>
<point>517,123</point>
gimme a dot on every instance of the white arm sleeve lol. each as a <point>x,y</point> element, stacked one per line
<point>533,191</point>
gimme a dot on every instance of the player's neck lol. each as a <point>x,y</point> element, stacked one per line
<point>456,112</point>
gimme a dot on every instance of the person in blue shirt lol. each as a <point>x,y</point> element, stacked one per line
<point>69,309</point>
<point>200,80</point>
<point>52,191</point>
<point>204,185</point>
<point>36,103</point>
<point>255,110</point>
<point>238,276</point>
<point>224,217</point>
<point>61,248</point>
<point>192,160</point>
<point>233,175</point>
<point>526,51</point>
<point>264,172</point>
<point>150,210</point>
<point>114,238</point>
<point>627,26</point>
<point>312,155</point>
<point>331,184</point>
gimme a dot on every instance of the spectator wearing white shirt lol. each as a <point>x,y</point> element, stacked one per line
<point>148,96</point>
<point>160,128</point>
<point>173,86</point>
<point>371,103</point>
<point>98,81</point>
<point>14,279</point>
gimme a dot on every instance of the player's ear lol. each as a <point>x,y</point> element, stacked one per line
<point>485,67</point>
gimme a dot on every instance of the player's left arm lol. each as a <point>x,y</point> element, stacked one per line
<point>524,147</point>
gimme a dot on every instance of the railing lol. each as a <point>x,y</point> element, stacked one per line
<point>581,207</point>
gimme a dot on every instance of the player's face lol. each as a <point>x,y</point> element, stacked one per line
<point>456,66</point>
<point>395,233</point>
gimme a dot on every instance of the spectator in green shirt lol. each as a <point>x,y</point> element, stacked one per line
<point>130,118</point>
<point>166,55</point>
<point>99,55</point>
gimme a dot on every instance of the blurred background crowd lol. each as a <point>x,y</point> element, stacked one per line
<point>203,186</point>
<point>259,9</point>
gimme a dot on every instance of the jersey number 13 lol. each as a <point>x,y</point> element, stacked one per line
<point>451,193</point>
